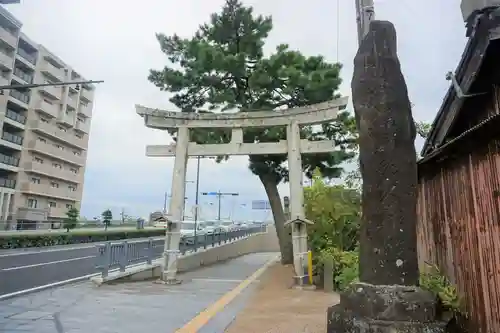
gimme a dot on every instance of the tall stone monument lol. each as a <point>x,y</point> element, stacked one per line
<point>387,299</point>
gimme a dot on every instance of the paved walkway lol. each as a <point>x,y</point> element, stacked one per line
<point>136,307</point>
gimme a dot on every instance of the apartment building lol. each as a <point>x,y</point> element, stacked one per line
<point>45,131</point>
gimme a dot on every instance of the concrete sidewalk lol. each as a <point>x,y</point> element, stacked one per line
<point>135,307</point>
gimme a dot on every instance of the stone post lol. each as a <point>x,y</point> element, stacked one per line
<point>388,298</point>
<point>171,249</point>
<point>297,220</point>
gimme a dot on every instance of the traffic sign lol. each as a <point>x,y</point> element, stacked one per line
<point>260,205</point>
<point>210,193</point>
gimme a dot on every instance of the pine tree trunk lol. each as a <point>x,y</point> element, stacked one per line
<point>284,234</point>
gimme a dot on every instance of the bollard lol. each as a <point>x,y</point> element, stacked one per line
<point>310,266</point>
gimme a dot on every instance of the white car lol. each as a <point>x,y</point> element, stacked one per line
<point>212,227</point>
<point>227,226</point>
<point>187,231</point>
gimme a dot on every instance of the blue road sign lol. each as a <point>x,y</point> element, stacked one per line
<point>261,205</point>
<point>211,193</point>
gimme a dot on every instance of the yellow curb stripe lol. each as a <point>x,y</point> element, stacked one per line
<point>204,317</point>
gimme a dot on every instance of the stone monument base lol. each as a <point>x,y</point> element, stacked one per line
<point>367,308</point>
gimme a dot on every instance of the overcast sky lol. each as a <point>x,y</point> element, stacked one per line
<point>115,41</point>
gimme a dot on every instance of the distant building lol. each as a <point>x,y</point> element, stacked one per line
<point>45,132</point>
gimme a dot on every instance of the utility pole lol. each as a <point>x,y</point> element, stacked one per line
<point>219,196</point>
<point>365,13</point>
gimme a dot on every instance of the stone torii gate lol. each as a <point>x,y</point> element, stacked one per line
<point>293,146</point>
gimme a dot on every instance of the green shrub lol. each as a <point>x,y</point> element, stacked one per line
<point>434,281</point>
<point>335,211</point>
<point>16,241</point>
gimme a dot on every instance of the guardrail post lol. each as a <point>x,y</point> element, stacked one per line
<point>104,258</point>
<point>219,236</point>
<point>213,240</point>
<point>205,241</point>
<point>149,258</point>
<point>124,257</point>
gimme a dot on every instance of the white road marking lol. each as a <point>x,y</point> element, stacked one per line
<point>219,280</point>
<point>46,263</point>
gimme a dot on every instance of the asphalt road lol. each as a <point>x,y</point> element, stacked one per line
<point>26,269</point>
<point>22,269</point>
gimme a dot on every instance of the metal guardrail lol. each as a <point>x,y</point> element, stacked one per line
<point>120,255</point>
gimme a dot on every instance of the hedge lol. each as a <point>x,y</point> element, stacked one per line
<point>16,241</point>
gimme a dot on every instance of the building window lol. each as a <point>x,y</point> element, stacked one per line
<point>35,180</point>
<point>44,120</point>
<point>79,136</point>
<point>38,160</point>
<point>47,101</point>
<point>57,165</point>
<point>77,153</point>
<point>42,140</point>
<point>32,203</point>
<point>81,120</point>
<point>75,171</point>
<point>62,129</point>
<point>58,146</point>
<point>71,188</point>
<point>52,204</point>
<point>69,206</point>
<point>54,184</point>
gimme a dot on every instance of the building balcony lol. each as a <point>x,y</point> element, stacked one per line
<point>83,126</point>
<point>10,163</point>
<point>65,155</point>
<point>48,170</point>
<point>47,190</point>
<point>51,91</point>
<point>23,76</point>
<point>4,81</point>
<point>55,133</point>
<point>15,119</point>
<point>48,108</point>
<point>6,62</point>
<point>86,94</point>
<point>8,37</point>
<point>72,102</point>
<point>12,141</point>
<point>58,212</point>
<point>29,58</point>
<point>52,71</point>
<point>7,183</point>
<point>66,118</point>
<point>21,98</point>
<point>86,110</point>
